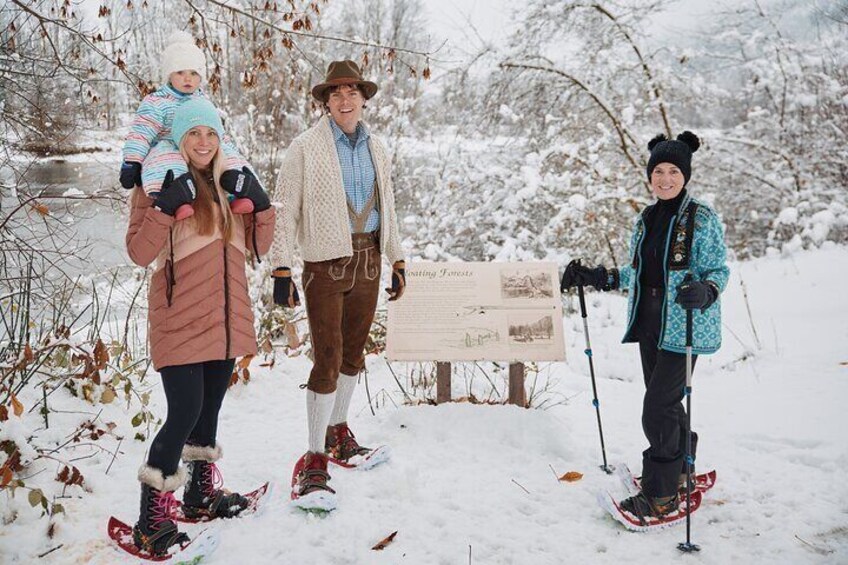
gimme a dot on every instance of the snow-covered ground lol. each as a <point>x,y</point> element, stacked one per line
<point>475,483</point>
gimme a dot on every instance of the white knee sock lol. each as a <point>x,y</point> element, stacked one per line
<point>344,392</point>
<point>318,408</point>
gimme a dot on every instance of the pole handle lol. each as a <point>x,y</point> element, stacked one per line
<point>688,328</point>
<point>582,301</point>
<point>689,316</point>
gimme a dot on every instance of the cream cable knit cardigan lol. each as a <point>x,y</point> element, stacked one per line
<point>313,204</point>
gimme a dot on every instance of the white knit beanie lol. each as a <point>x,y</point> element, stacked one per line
<point>181,54</point>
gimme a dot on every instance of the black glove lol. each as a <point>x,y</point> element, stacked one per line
<point>398,281</point>
<point>244,184</point>
<point>175,192</point>
<point>694,295</point>
<point>577,275</point>
<point>130,175</point>
<point>285,291</point>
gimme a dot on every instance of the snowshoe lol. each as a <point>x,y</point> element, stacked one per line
<point>343,450</point>
<point>188,552</point>
<point>310,491</point>
<point>641,514</point>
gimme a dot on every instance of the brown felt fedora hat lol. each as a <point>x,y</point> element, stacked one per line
<point>343,72</point>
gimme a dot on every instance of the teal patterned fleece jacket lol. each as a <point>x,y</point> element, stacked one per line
<point>694,243</point>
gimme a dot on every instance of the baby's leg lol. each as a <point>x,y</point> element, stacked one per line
<point>164,157</point>
<point>234,159</point>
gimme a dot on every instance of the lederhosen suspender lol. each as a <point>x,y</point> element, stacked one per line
<point>360,220</point>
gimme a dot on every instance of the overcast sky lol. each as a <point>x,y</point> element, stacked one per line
<point>448,18</point>
<point>467,24</point>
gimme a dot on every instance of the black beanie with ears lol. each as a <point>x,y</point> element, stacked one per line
<point>678,152</point>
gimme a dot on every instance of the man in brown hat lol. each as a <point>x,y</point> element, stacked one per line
<point>337,202</point>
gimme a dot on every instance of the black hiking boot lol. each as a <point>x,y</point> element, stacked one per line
<point>203,498</point>
<point>643,506</point>
<point>156,531</point>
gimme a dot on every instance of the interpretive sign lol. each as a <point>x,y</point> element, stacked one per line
<point>477,312</point>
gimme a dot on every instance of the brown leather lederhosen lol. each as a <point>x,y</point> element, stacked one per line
<point>341,297</point>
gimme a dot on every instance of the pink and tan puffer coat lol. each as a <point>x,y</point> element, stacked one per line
<point>204,314</point>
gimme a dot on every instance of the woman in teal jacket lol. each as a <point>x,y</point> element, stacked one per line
<point>677,263</point>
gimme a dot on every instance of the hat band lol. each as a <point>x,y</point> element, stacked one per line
<point>343,80</point>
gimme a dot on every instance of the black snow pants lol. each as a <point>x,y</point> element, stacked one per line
<point>663,414</point>
<point>194,393</point>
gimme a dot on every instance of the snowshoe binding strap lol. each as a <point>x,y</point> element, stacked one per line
<point>148,543</point>
<point>343,445</point>
<point>311,480</point>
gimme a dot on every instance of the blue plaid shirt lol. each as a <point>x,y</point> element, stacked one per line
<point>358,172</point>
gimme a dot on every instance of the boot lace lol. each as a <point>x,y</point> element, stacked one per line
<point>213,480</point>
<point>164,507</point>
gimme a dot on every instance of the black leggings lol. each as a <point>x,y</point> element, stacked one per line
<point>194,393</point>
<point>663,415</point>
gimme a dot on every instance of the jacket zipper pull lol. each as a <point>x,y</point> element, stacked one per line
<point>170,277</point>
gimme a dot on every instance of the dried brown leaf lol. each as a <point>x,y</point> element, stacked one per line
<point>88,391</point>
<point>101,354</point>
<point>267,346</point>
<point>17,407</point>
<point>293,340</point>
<point>108,395</point>
<point>571,477</point>
<point>381,545</point>
<point>5,476</point>
<point>244,362</point>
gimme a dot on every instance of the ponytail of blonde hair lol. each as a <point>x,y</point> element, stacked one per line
<point>204,204</point>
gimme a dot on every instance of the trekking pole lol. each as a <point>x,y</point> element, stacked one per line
<point>688,546</point>
<point>607,469</point>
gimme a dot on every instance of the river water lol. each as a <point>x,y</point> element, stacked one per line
<point>91,227</point>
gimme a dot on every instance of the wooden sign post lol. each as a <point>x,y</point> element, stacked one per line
<point>443,382</point>
<point>517,393</point>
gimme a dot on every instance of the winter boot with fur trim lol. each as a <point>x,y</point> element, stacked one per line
<point>156,531</point>
<point>204,499</point>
